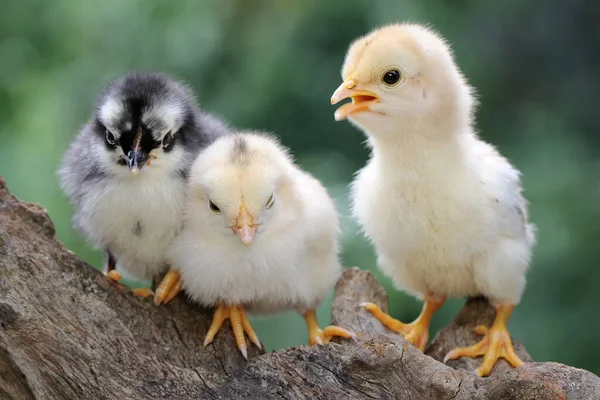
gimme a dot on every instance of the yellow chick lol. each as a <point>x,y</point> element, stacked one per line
<point>260,234</point>
<point>443,209</point>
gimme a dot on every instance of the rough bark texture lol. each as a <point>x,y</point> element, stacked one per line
<point>66,332</point>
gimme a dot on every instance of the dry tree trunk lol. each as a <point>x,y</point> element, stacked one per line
<point>66,332</point>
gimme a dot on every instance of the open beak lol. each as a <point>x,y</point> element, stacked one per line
<point>244,226</point>
<point>361,99</point>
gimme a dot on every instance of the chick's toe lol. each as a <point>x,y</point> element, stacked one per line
<point>240,325</point>
<point>316,335</point>
<point>169,287</point>
<point>496,344</point>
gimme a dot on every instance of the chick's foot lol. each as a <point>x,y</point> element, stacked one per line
<point>142,292</point>
<point>239,324</point>
<point>169,287</point>
<point>496,343</point>
<point>316,335</point>
<point>417,332</point>
<point>116,276</point>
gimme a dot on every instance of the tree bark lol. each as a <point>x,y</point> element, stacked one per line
<point>67,332</point>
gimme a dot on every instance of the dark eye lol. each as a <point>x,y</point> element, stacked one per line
<point>213,207</point>
<point>110,139</point>
<point>271,201</point>
<point>392,77</point>
<point>167,142</point>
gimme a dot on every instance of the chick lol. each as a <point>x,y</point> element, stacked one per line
<point>126,172</point>
<point>443,209</point>
<point>260,235</point>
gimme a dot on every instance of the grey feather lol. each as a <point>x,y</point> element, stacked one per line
<point>136,217</point>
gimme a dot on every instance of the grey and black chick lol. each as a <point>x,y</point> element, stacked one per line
<point>126,171</point>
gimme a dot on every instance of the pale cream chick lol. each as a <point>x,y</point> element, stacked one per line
<point>260,235</point>
<point>443,209</point>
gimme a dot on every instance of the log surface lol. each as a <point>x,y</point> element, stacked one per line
<point>67,332</point>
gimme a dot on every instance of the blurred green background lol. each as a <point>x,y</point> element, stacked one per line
<point>273,65</point>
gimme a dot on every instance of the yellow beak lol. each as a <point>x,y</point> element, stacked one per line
<point>361,99</point>
<point>244,226</point>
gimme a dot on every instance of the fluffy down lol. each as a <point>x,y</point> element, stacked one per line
<point>136,216</point>
<point>443,209</point>
<point>293,259</point>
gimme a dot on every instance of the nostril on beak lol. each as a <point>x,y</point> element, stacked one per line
<point>135,160</point>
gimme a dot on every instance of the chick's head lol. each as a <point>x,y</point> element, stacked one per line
<point>138,123</point>
<point>239,186</point>
<point>397,75</point>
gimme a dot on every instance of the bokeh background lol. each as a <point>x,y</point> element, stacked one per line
<point>273,65</point>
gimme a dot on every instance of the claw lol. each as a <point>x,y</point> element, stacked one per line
<point>169,287</point>
<point>250,331</point>
<point>221,313</point>
<point>316,335</point>
<point>239,324</point>
<point>174,291</point>
<point>495,344</point>
<point>114,275</point>
<point>417,332</point>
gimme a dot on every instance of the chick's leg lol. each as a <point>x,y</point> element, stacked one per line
<point>169,287</point>
<point>109,263</point>
<point>417,332</point>
<point>114,275</point>
<point>239,324</point>
<point>316,335</point>
<point>496,343</point>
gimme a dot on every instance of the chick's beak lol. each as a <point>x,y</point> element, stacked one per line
<point>361,99</point>
<point>136,157</point>
<point>244,226</point>
<point>135,160</point>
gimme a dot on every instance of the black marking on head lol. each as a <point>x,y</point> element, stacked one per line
<point>139,93</point>
<point>139,136</point>
<point>240,145</point>
<point>239,150</point>
<point>138,229</point>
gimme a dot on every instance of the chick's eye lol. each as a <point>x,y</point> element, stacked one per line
<point>167,142</point>
<point>392,77</point>
<point>213,207</point>
<point>110,139</point>
<point>271,201</point>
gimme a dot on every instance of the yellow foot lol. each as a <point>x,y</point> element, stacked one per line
<point>114,275</point>
<point>496,343</point>
<point>143,292</point>
<point>417,332</point>
<point>169,287</point>
<point>317,335</point>
<point>239,324</point>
